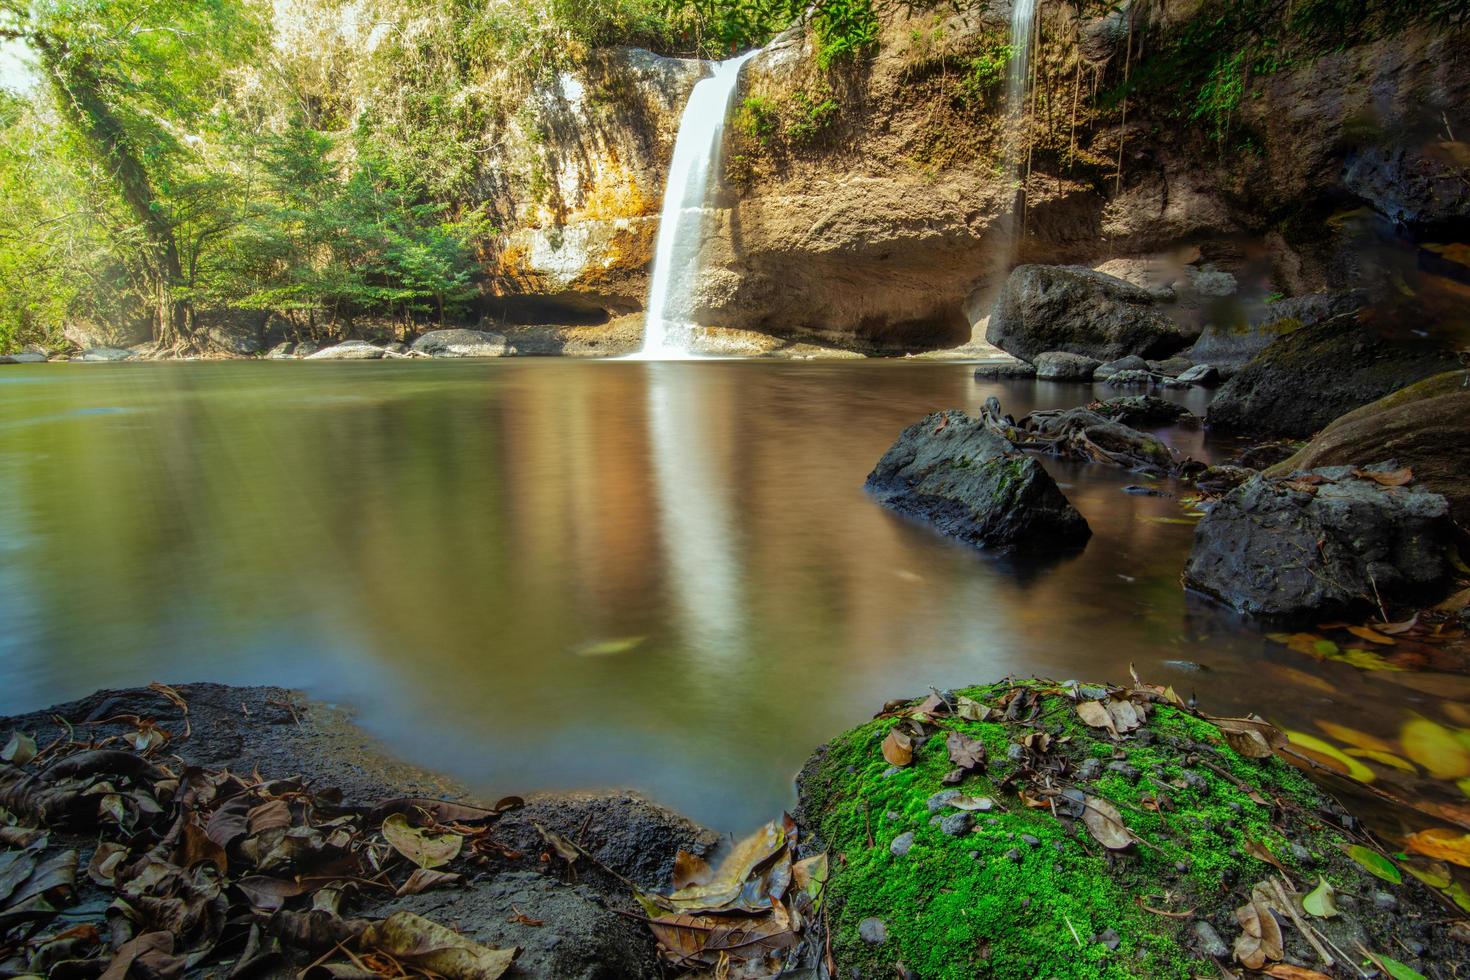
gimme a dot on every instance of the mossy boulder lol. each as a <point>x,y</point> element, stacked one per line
<point>969,483</point>
<point>1308,378</point>
<point>1425,426</point>
<point>1023,889</point>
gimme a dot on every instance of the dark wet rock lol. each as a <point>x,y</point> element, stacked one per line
<point>1123,769</point>
<point>625,832</point>
<point>902,844</point>
<point>1109,938</point>
<point>104,354</point>
<point>1302,856</point>
<point>1090,769</point>
<point>1222,479</point>
<point>1030,840</point>
<point>872,930</point>
<point>237,332</point>
<point>1004,371</point>
<point>348,350</point>
<point>971,484</point>
<point>1409,182</point>
<point>1130,363</point>
<point>1288,548</point>
<point>1201,374</point>
<point>1310,377</point>
<point>1140,491</point>
<point>1171,367</point>
<point>1131,379</point>
<point>1387,901</point>
<point>958,824</point>
<point>580,938</point>
<point>1064,366</point>
<point>1230,346</point>
<point>1068,308</point>
<point>1425,427</point>
<point>1136,410</point>
<point>462,343</point>
<point>1266,454</point>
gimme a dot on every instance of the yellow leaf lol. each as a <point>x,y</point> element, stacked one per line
<point>1435,748</point>
<point>1353,737</point>
<point>1443,843</point>
<point>1331,756</point>
<point>1386,758</point>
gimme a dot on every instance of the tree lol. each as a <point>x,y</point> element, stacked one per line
<point>131,80</point>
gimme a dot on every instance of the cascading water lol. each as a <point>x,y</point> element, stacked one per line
<point>694,176</point>
<point>1023,16</point>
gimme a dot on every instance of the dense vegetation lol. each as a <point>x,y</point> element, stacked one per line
<point>328,160</point>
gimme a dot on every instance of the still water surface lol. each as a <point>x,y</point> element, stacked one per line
<point>542,573</point>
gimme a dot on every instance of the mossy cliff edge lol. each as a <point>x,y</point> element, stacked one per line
<point>1079,851</point>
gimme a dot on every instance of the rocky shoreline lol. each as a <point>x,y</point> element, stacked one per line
<point>213,830</point>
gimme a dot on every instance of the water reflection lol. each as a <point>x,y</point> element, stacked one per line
<point>442,545</point>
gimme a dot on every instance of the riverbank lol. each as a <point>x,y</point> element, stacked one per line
<point>1005,830</point>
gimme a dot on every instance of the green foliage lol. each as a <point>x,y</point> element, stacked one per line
<point>846,29</point>
<point>986,72</point>
<point>797,122</point>
<point>759,118</point>
<point>814,115</point>
<point>1220,95</point>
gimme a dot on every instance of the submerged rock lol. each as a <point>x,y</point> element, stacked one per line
<point>1425,426</point>
<point>462,343</point>
<point>1310,377</point>
<point>1136,410</point>
<point>1131,379</point>
<point>1320,542</point>
<point>971,484</point>
<point>1062,366</point>
<point>348,350</point>
<point>1070,308</point>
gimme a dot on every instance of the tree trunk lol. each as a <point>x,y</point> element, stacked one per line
<point>79,93</point>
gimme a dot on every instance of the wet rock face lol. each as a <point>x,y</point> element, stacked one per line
<point>1068,308</point>
<point>1320,542</point>
<point>1311,376</point>
<point>1231,346</point>
<point>970,484</point>
<point>1062,366</point>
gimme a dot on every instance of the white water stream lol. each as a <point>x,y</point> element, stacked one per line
<point>694,177</point>
<point>1023,16</point>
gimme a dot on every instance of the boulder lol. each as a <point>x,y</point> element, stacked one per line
<point>1201,374</point>
<point>971,484</point>
<point>1230,346</point>
<point>239,332</point>
<point>283,351</point>
<point>1130,363</point>
<point>348,350</point>
<point>1062,366</point>
<point>1425,426</point>
<point>1171,367</point>
<point>1005,370</point>
<point>1135,410</point>
<point>1315,374</point>
<point>1069,308</point>
<point>104,354</point>
<point>1321,542</point>
<point>23,357</point>
<point>1131,379</point>
<point>462,343</point>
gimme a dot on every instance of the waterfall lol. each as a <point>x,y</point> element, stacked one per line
<point>1023,15</point>
<point>694,176</point>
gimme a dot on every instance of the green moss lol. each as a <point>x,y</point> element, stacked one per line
<point>991,903</point>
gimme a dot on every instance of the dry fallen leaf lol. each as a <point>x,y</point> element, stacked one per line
<point>1285,971</point>
<point>1105,823</point>
<point>1095,715</point>
<point>419,846</point>
<point>965,752</point>
<point>1260,939</point>
<point>421,942</point>
<point>424,879</point>
<point>898,748</point>
<point>1394,478</point>
<point>1252,736</point>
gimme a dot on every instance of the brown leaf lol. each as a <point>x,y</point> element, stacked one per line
<point>1105,823</point>
<point>1124,715</point>
<point>1371,635</point>
<point>1394,478</point>
<point>270,815</point>
<point>152,955</point>
<point>423,943</point>
<point>1285,971</point>
<point>423,848</point>
<point>19,750</point>
<point>735,885</point>
<point>424,879</point>
<point>691,869</point>
<point>705,939</point>
<point>1094,714</point>
<point>972,710</point>
<point>965,752</point>
<point>105,862</point>
<point>269,894</point>
<point>1252,736</point>
<point>1260,852</point>
<point>898,748</point>
<point>1260,940</point>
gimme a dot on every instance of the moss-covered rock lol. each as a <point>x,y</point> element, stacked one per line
<point>1028,892</point>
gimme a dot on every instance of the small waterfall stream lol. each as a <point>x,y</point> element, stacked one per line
<point>694,176</point>
<point>1023,17</point>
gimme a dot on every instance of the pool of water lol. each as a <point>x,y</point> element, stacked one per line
<point>539,574</point>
